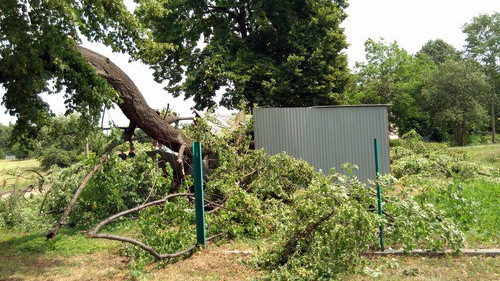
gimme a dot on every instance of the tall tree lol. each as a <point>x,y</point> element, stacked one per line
<point>455,95</point>
<point>37,46</point>
<point>439,51</point>
<point>267,53</point>
<point>483,44</point>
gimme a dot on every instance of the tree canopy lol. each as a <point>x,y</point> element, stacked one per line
<point>391,75</point>
<point>266,53</point>
<point>439,51</point>
<point>38,54</point>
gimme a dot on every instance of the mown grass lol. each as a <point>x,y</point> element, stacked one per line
<point>10,169</point>
<point>29,256</point>
<point>485,191</point>
<point>67,243</point>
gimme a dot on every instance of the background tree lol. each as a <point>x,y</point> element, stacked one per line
<point>8,146</point>
<point>391,75</point>
<point>456,95</point>
<point>267,53</point>
<point>4,140</point>
<point>483,44</point>
<point>61,143</point>
<point>439,51</point>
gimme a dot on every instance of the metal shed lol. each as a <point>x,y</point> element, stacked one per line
<point>327,136</point>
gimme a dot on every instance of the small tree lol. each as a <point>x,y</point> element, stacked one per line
<point>455,97</point>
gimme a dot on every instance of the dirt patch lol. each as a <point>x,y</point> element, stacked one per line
<point>215,263</point>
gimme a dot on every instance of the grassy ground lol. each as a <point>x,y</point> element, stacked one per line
<point>486,154</point>
<point>9,169</point>
<point>424,268</point>
<point>72,256</point>
<point>486,192</point>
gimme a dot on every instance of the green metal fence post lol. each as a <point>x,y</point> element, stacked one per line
<point>198,195</point>
<point>379,195</point>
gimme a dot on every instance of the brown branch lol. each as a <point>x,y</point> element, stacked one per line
<point>133,104</point>
<point>66,212</point>
<point>96,228</point>
<point>148,248</point>
<point>93,233</point>
<point>21,176</point>
<point>173,118</point>
<point>218,206</point>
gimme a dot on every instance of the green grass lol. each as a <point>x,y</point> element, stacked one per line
<point>485,154</point>
<point>486,231</point>
<point>485,191</point>
<point>69,256</point>
<point>66,243</point>
<point>10,169</point>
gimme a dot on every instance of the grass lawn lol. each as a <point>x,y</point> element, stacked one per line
<point>72,256</point>
<point>486,192</point>
<point>485,154</point>
<point>9,169</point>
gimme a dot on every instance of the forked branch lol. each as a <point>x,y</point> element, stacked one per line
<point>94,232</point>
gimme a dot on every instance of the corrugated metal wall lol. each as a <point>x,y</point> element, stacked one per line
<point>327,136</point>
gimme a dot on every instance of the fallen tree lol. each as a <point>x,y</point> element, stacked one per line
<point>141,115</point>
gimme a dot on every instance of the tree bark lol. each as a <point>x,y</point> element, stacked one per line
<point>134,106</point>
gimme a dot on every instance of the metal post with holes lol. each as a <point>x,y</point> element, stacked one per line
<point>379,195</point>
<point>198,195</point>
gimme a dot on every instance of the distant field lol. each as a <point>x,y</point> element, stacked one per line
<point>9,169</point>
<point>486,154</point>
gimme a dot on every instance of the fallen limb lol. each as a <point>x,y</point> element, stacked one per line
<point>28,188</point>
<point>66,212</point>
<point>294,243</point>
<point>126,136</point>
<point>112,218</point>
<point>94,232</point>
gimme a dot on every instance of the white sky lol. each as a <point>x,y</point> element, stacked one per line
<point>409,22</point>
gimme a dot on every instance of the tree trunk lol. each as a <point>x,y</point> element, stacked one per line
<point>134,106</point>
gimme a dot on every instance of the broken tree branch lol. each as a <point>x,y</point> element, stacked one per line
<point>66,212</point>
<point>133,104</point>
<point>94,232</point>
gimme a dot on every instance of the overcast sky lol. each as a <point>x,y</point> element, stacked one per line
<point>409,22</point>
